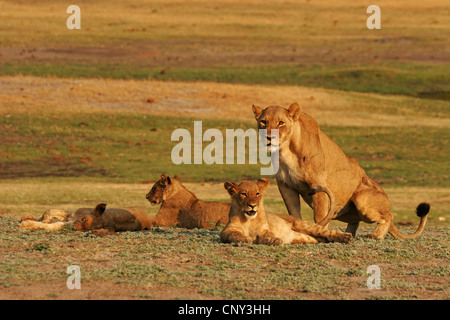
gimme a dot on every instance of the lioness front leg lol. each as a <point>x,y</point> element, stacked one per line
<point>291,199</point>
<point>352,227</point>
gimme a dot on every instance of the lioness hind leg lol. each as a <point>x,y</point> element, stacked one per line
<point>381,230</point>
<point>374,206</point>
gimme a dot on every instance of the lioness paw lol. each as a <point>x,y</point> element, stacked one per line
<point>346,238</point>
<point>374,236</point>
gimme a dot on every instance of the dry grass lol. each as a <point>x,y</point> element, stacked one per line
<point>229,26</point>
<point>213,100</point>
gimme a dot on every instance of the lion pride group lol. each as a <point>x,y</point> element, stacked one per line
<point>311,165</point>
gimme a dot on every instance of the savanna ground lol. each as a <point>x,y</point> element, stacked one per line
<point>86,116</point>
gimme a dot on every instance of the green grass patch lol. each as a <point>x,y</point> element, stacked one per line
<point>425,80</point>
<point>130,147</point>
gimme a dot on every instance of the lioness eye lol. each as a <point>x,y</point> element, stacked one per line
<point>258,194</point>
<point>244,195</point>
<point>280,123</point>
<point>263,123</point>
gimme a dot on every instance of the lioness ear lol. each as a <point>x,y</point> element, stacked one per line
<point>100,208</point>
<point>257,111</point>
<point>165,180</point>
<point>294,111</point>
<point>231,188</point>
<point>263,183</point>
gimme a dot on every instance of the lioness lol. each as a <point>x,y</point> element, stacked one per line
<point>249,223</point>
<point>180,207</point>
<point>308,157</point>
<point>83,219</point>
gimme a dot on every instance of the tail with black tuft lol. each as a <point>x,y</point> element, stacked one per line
<point>421,211</point>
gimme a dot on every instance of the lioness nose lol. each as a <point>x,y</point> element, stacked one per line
<point>252,206</point>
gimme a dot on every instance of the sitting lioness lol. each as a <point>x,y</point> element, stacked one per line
<point>309,158</point>
<point>84,219</point>
<point>180,207</point>
<point>249,223</point>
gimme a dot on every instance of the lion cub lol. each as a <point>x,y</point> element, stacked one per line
<point>114,219</point>
<point>180,207</point>
<point>249,223</point>
<point>84,219</point>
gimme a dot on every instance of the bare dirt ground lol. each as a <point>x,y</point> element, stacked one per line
<point>161,54</point>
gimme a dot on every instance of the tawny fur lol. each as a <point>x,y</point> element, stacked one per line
<point>309,158</point>
<point>47,221</point>
<point>84,219</point>
<point>249,223</point>
<point>180,207</point>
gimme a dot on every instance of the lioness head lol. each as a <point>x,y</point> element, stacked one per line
<point>247,196</point>
<point>161,190</point>
<point>92,219</point>
<point>279,118</point>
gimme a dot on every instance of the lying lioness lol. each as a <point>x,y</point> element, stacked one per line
<point>249,223</point>
<point>180,207</point>
<point>308,158</point>
<point>84,219</point>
